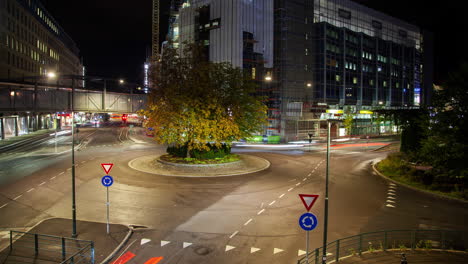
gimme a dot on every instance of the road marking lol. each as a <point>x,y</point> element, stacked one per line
<point>163,243</point>
<point>125,258</point>
<point>42,183</point>
<point>391,197</point>
<point>234,234</point>
<point>246,223</point>
<point>30,190</point>
<point>3,206</point>
<point>392,187</point>
<point>281,196</point>
<point>277,250</point>
<point>154,260</point>
<point>61,173</point>
<point>297,184</point>
<point>261,206</point>
<point>313,170</point>
<point>290,189</point>
<point>389,205</point>
<point>392,184</point>
<point>390,201</point>
<point>83,161</point>
<point>253,250</point>
<point>304,179</point>
<point>17,197</point>
<point>272,203</point>
<point>68,169</point>
<point>391,192</point>
<point>310,174</point>
<point>228,247</point>
<point>144,241</point>
<point>186,244</point>
<point>261,211</point>
<point>53,177</point>
<point>292,180</point>
<point>300,252</point>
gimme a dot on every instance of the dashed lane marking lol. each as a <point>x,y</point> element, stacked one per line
<point>309,174</point>
<point>30,190</point>
<point>277,250</point>
<point>246,223</point>
<point>61,173</point>
<point>17,197</point>
<point>186,244</point>
<point>53,177</point>
<point>290,189</point>
<point>281,196</point>
<point>297,184</point>
<point>3,206</point>
<point>42,183</point>
<point>228,247</point>
<point>304,179</point>
<point>163,243</point>
<point>253,250</point>
<point>234,234</point>
<point>270,204</point>
<point>69,169</point>
<point>261,211</point>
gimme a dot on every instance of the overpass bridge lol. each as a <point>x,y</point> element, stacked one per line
<point>41,103</point>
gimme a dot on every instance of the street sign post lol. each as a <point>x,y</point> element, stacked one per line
<point>107,167</point>
<point>308,221</point>
<point>107,181</point>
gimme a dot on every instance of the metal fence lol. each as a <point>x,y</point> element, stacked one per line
<point>48,248</point>
<point>390,239</point>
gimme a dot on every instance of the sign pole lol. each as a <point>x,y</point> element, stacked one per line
<point>307,247</point>
<point>107,209</point>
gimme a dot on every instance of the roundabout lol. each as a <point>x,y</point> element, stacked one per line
<point>153,164</point>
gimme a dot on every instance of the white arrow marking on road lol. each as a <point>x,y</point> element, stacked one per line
<point>163,243</point>
<point>228,247</point>
<point>186,244</point>
<point>252,250</point>
<point>261,211</point>
<point>300,252</point>
<point>246,223</point>
<point>281,196</point>
<point>389,205</point>
<point>277,250</point>
<point>144,241</point>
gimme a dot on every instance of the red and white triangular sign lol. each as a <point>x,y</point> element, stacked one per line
<point>107,167</point>
<point>308,200</point>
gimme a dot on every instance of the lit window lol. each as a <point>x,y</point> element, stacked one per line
<point>306,51</point>
<point>254,73</point>
<point>384,83</point>
<point>371,82</point>
<point>337,78</point>
<point>354,80</point>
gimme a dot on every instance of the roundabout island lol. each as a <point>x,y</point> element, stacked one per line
<point>153,164</point>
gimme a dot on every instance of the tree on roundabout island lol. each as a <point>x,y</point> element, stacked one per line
<point>200,107</point>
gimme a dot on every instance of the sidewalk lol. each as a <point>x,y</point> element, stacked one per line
<point>36,134</point>
<point>415,256</point>
<point>104,244</point>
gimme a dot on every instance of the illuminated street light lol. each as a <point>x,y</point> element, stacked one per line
<point>121,81</point>
<point>309,85</point>
<point>139,88</point>
<point>51,75</point>
<point>12,93</point>
<point>268,78</point>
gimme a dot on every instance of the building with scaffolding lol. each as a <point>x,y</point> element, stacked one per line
<point>314,58</point>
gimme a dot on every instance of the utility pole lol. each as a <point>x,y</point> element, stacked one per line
<point>73,161</point>
<point>325,229</point>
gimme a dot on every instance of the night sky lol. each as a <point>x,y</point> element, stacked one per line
<point>114,36</point>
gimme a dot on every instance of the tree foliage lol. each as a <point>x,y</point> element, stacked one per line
<point>348,120</point>
<point>198,102</point>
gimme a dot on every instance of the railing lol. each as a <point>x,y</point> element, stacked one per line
<point>390,239</point>
<point>50,248</point>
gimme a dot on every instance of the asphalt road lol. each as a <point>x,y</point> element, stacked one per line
<point>242,219</point>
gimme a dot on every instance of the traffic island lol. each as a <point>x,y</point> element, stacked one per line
<point>153,164</point>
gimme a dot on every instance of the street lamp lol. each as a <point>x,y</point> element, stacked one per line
<point>268,78</point>
<point>121,81</point>
<point>51,75</point>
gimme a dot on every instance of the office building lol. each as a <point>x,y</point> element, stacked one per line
<point>315,58</point>
<point>33,43</point>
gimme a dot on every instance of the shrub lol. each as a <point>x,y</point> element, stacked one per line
<point>177,151</point>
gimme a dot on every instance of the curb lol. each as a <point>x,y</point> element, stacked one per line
<point>119,247</point>
<point>268,164</point>
<point>417,189</point>
<point>195,165</point>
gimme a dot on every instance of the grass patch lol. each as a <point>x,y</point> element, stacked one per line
<point>397,168</point>
<point>226,159</point>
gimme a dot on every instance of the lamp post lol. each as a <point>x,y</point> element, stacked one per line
<point>325,229</point>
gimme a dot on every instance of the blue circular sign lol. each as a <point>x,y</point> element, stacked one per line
<point>308,221</point>
<point>107,181</point>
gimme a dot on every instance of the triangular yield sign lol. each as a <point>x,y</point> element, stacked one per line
<point>308,200</point>
<point>186,244</point>
<point>107,167</point>
<point>228,247</point>
<point>300,252</point>
<point>144,241</point>
<point>163,243</point>
<point>252,250</point>
<point>277,250</point>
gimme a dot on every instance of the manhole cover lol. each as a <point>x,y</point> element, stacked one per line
<point>202,251</point>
